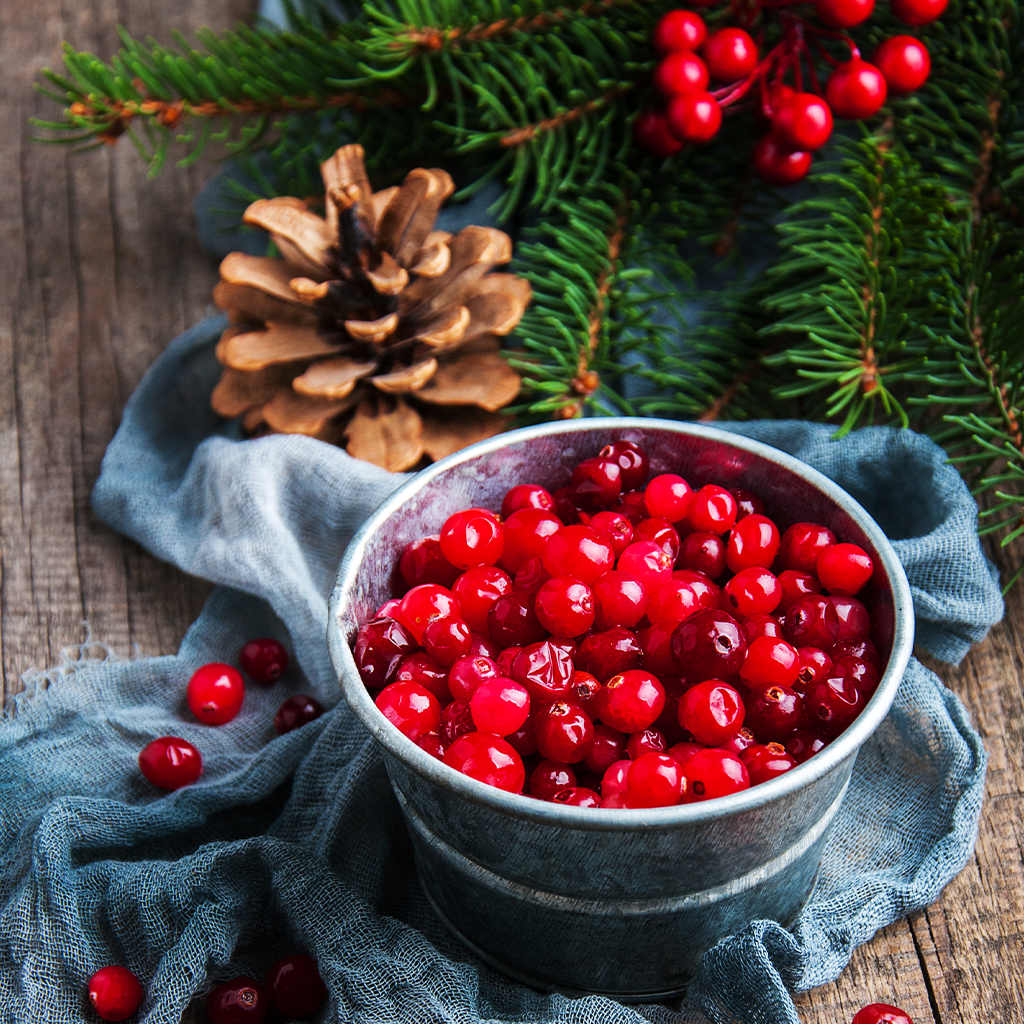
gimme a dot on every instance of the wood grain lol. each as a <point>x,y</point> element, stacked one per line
<point>99,268</point>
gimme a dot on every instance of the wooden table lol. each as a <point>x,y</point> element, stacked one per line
<point>100,268</point>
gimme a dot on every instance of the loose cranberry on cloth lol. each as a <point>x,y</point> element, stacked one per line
<point>295,842</point>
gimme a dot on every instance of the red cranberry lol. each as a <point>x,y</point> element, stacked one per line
<point>778,165</point>
<point>483,647</point>
<point>854,620</point>
<point>647,741</point>
<point>753,541</point>
<point>844,13</point>
<point>646,562</point>
<point>597,484</point>
<point>713,510</point>
<point>456,721</point>
<point>609,746</point>
<point>767,761</point>
<point>526,496</point>
<point>512,620</point>
<point>523,740</point>
<point>476,590</point>
<point>619,600</point>
<point>585,691</point>
<point>904,62</point>
<point>651,134</point>
<point>761,625</point>
<point>545,670</point>
<point>468,673</point>
<point>694,116</point>
<point>238,1001</point>
<point>703,551</point>
<point>863,674</point>
<point>730,54</point>
<point>844,569</point>
<point>472,537</point>
<point>421,669</point>
<point>882,1013</point>
<point>531,577</point>
<point>634,503</point>
<point>856,647</point>
<point>614,779</point>
<point>264,660</point>
<point>215,693</point>
<point>711,711</point>
<point>917,12</point>
<point>170,762</point>
<point>667,722</point>
<point>433,744</point>
<point>668,496</point>
<point>662,532</point>
<point>770,660</point>
<point>654,780</point>
<point>423,562</point>
<point>295,712</point>
<point>379,649</point>
<point>833,704</point>
<point>488,759</point>
<point>813,665</point>
<point>615,529</point>
<point>709,645</point>
<point>549,777</point>
<point>682,752</point>
<point>294,986</point>
<point>754,591</point>
<point>672,600</point>
<point>608,653</point>
<point>632,700</point>
<point>564,732</point>
<point>526,536</point>
<point>656,643</point>
<point>856,89</point>
<point>804,744</point>
<point>115,993</point>
<point>425,603</point>
<point>712,773</point>
<point>564,497</point>
<point>500,705</point>
<point>679,72</point>
<point>802,544</point>
<point>632,461</point>
<point>564,607</point>
<point>677,30</point>
<point>774,713</point>
<point>796,585</point>
<point>812,622</point>
<point>446,640</point>
<point>410,708</point>
<point>577,796</point>
<point>579,552</point>
<point>747,503</point>
<point>739,743</point>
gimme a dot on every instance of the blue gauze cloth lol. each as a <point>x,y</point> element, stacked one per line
<point>296,842</point>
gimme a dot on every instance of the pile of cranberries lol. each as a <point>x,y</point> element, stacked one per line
<point>292,986</point>
<point>799,119</point>
<point>214,695</point>
<point>623,642</point>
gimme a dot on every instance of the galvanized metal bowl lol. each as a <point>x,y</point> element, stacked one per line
<point>621,902</point>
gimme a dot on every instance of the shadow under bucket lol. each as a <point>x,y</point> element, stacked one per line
<point>617,902</point>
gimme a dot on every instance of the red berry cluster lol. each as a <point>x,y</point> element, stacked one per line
<point>613,644</point>
<point>292,986</point>
<point>214,695</point>
<point>800,120</point>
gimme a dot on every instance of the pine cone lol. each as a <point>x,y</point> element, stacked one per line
<point>374,331</point>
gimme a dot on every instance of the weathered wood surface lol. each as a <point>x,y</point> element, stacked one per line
<point>99,268</point>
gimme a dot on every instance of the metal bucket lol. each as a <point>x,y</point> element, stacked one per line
<point>619,902</point>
